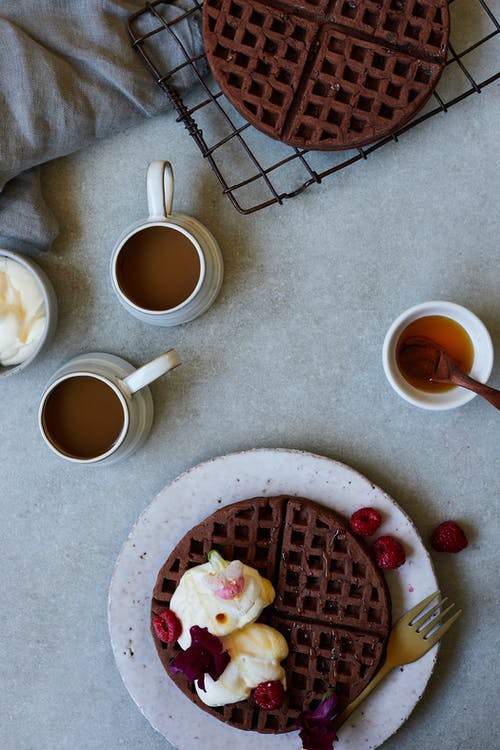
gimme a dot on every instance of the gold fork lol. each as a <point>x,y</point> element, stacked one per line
<point>410,639</point>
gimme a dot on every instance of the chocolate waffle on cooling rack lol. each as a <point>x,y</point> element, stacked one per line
<point>327,74</point>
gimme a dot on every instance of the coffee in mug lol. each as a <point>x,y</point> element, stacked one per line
<point>97,408</point>
<point>83,416</point>
<point>158,268</point>
<point>167,269</point>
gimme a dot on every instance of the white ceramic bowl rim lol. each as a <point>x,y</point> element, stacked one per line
<point>481,366</point>
<point>42,281</point>
<point>126,418</point>
<point>167,224</point>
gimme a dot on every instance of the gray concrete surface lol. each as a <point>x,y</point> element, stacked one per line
<point>289,356</point>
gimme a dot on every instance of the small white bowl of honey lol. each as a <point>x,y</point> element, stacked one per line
<point>458,332</point>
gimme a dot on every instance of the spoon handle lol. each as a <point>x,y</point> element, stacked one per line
<point>457,377</point>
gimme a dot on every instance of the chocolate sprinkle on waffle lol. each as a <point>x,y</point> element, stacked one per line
<point>332,603</point>
<point>326,74</point>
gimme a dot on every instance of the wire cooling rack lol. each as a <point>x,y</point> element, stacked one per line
<point>256,171</point>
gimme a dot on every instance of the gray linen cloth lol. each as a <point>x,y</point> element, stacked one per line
<point>69,75</point>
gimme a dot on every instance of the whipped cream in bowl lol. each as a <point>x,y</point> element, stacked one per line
<point>28,311</point>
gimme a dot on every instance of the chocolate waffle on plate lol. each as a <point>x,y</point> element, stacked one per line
<point>326,74</point>
<point>332,604</point>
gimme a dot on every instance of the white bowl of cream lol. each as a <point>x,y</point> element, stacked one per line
<point>28,311</point>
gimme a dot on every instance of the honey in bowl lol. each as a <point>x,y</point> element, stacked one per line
<point>449,336</point>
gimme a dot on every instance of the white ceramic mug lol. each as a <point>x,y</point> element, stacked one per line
<point>128,389</point>
<point>160,191</point>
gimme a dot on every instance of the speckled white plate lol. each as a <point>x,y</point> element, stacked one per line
<point>187,501</point>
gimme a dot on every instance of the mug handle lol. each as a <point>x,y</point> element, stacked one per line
<point>160,190</point>
<point>151,371</point>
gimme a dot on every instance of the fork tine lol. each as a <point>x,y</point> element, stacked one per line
<point>432,639</point>
<point>435,621</point>
<point>418,608</point>
<point>421,620</point>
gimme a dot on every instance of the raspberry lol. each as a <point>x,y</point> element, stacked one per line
<point>389,553</point>
<point>449,537</point>
<point>167,626</point>
<point>365,521</point>
<point>269,695</point>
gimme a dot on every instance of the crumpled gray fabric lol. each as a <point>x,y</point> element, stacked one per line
<point>68,76</point>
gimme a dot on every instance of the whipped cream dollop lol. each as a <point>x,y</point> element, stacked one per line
<point>22,312</point>
<point>256,651</point>
<point>196,603</point>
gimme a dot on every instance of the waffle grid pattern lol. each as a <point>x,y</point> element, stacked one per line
<point>250,535</point>
<point>280,44</point>
<point>320,658</point>
<point>267,44</point>
<point>375,90</point>
<point>254,171</point>
<point>417,26</point>
<point>332,604</point>
<point>326,575</point>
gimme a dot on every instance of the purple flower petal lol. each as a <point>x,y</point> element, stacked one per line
<point>204,656</point>
<point>324,710</point>
<point>220,662</point>
<point>316,729</point>
<point>204,639</point>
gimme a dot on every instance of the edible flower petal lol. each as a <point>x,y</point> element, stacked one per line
<point>316,729</point>
<point>204,656</point>
<point>216,561</point>
<point>227,581</point>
